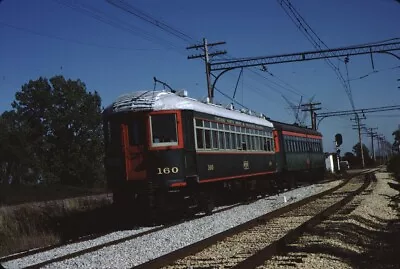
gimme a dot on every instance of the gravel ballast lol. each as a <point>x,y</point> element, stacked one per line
<point>151,246</point>
<point>365,234</point>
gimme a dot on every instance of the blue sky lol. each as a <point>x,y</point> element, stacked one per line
<point>118,52</point>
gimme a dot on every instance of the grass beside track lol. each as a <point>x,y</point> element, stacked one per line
<point>39,224</point>
<point>34,225</point>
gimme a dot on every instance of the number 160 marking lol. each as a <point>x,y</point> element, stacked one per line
<point>167,170</point>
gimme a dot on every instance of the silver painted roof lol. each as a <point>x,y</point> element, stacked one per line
<point>165,100</point>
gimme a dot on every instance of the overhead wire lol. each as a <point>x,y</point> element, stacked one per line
<point>78,42</point>
<point>148,18</point>
<point>177,33</point>
<point>294,15</point>
<point>116,23</point>
<point>374,72</point>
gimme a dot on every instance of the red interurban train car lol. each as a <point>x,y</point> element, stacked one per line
<point>165,150</point>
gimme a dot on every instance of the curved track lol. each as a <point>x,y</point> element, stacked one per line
<point>250,244</point>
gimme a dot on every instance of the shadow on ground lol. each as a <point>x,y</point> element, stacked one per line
<point>364,243</point>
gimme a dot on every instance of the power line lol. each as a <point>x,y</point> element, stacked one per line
<point>374,72</point>
<point>175,32</point>
<point>66,39</point>
<point>364,110</point>
<point>146,17</point>
<point>116,23</point>
<point>311,36</point>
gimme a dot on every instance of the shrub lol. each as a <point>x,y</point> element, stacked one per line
<point>394,165</point>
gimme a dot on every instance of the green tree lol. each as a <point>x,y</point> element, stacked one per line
<point>396,144</point>
<point>348,156</point>
<point>357,151</point>
<point>59,125</point>
<point>13,149</point>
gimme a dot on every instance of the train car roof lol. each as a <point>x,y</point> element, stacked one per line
<point>294,128</point>
<point>164,100</point>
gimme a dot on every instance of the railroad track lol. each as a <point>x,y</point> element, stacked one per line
<point>250,244</point>
<point>88,249</point>
<point>55,254</point>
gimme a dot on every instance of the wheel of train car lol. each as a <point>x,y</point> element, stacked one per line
<point>291,181</point>
<point>206,202</point>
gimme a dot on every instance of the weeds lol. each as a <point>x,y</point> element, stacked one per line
<point>27,226</point>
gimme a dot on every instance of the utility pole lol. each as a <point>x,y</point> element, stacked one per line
<point>378,138</point>
<point>206,56</point>
<point>358,126</point>
<point>372,135</point>
<point>312,109</point>
<point>384,147</point>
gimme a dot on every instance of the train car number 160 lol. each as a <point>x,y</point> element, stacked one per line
<point>167,170</point>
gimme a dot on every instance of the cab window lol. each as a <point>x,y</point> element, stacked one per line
<point>163,130</point>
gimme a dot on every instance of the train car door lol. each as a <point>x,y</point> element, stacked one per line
<point>133,143</point>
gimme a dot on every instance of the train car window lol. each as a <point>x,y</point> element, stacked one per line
<point>233,140</point>
<point>294,143</point>
<point>261,142</point>
<point>258,147</point>
<point>214,139</point>
<point>135,133</point>
<point>221,140</point>
<point>163,130</point>
<point>207,135</point>
<point>244,145</point>
<point>272,145</point>
<point>199,123</point>
<point>228,141</point>
<point>199,138</point>
<point>251,142</point>
<point>239,141</point>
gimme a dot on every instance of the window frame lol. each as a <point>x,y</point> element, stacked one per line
<point>178,126</point>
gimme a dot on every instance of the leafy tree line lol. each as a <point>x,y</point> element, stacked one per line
<point>396,144</point>
<point>394,162</point>
<point>52,134</point>
<point>354,158</point>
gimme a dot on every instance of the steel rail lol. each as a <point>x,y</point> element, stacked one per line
<point>170,258</point>
<point>100,246</point>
